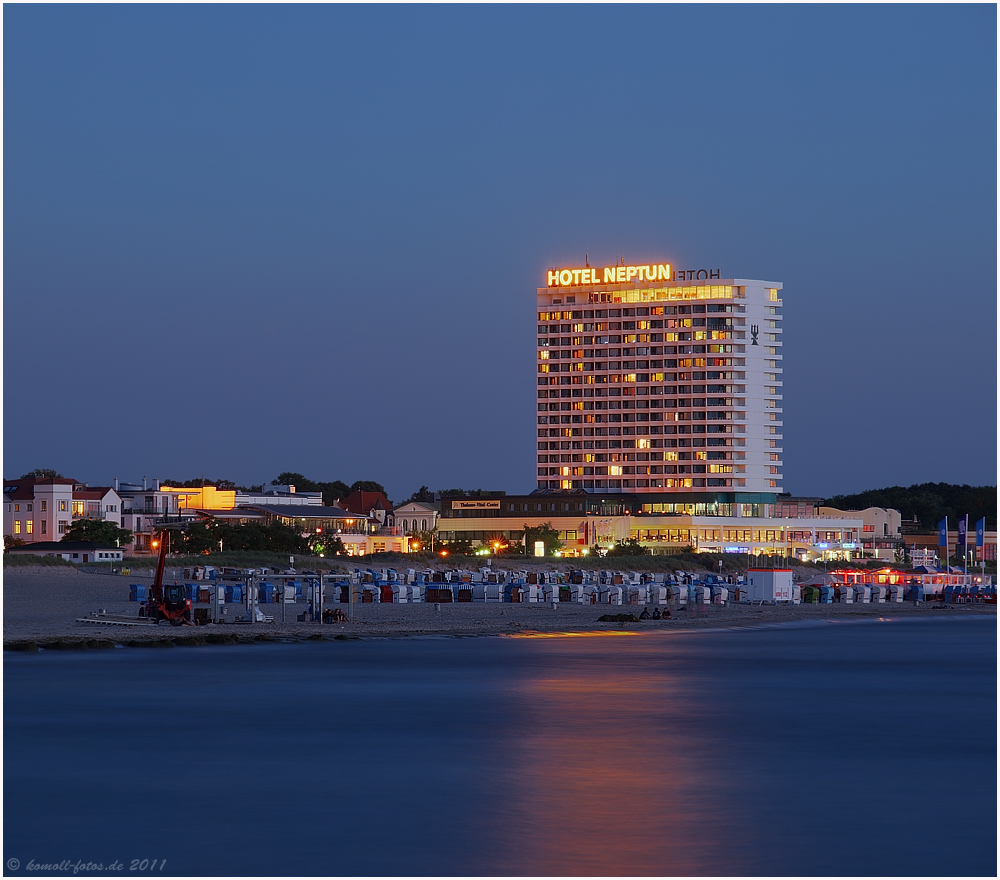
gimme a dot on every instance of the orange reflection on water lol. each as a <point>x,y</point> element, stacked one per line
<point>607,780</point>
<point>534,634</point>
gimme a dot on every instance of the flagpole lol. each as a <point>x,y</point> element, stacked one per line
<point>965,548</point>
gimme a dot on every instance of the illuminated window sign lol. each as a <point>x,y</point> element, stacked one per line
<point>625,275</point>
<point>608,275</point>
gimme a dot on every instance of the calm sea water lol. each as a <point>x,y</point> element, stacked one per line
<point>837,749</point>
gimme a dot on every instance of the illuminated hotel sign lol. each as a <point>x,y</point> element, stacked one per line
<point>475,505</point>
<point>625,275</point>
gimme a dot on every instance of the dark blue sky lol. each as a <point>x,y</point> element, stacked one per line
<point>240,240</point>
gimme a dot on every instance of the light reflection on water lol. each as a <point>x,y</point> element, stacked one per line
<point>608,783</point>
<point>718,753</point>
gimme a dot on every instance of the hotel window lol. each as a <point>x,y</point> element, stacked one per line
<point>29,526</point>
<point>17,508</point>
<point>62,506</point>
<point>62,526</point>
<point>45,505</point>
<point>77,508</point>
<point>17,527</point>
<point>44,525</point>
<point>30,507</point>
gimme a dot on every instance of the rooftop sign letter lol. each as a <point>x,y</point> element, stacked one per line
<point>609,274</point>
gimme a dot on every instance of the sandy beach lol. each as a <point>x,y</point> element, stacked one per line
<point>41,606</point>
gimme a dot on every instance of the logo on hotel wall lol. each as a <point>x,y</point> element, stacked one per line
<point>754,329</point>
<point>590,275</point>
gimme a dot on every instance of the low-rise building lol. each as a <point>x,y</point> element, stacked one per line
<point>361,534</point>
<point>373,505</point>
<point>585,521</point>
<point>72,551</point>
<point>280,494</point>
<point>143,507</point>
<point>416,516</point>
<point>38,509</point>
<point>880,532</point>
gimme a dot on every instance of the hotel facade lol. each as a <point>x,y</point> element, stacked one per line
<point>658,420</point>
<point>661,383</point>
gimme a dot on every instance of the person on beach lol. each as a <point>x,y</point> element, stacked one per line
<point>666,614</point>
<point>645,614</point>
<point>656,614</point>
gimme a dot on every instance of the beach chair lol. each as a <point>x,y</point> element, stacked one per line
<point>877,594</point>
<point>657,594</point>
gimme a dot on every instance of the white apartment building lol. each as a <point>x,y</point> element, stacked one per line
<point>144,506</point>
<point>42,509</point>
<point>659,382</point>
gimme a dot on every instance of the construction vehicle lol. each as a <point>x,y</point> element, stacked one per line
<point>166,602</point>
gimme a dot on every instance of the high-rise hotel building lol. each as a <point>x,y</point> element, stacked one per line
<point>663,384</point>
<point>659,420</point>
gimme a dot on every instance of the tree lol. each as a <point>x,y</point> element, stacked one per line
<point>475,493</point>
<point>273,538</point>
<point>423,540</point>
<point>631,547</point>
<point>43,474</point>
<point>201,482</point>
<point>10,541</point>
<point>422,494</point>
<point>98,531</point>
<point>545,533</point>
<point>928,502</point>
<point>367,486</point>
<point>198,537</point>
<point>332,491</point>
<point>458,546</point>
<point>328,545</point>
<point>288,478</point>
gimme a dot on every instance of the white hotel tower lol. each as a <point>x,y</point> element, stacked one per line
<point>664,383</point>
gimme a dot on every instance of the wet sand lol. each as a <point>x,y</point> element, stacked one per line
<point>41,606</point>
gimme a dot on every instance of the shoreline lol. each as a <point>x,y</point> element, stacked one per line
<point>41,607</point>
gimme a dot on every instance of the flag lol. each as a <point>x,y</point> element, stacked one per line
<point>943,534</point>
<point>981,533</point>
<point>961,545</point>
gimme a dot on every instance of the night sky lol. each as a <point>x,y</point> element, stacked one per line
<point>243,240</point>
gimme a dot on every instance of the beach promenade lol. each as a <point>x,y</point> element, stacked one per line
<point>41,606</point>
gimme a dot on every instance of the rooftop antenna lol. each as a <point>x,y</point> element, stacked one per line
<point>586,260</point>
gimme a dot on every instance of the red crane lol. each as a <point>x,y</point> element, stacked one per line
<point>166,602</point>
